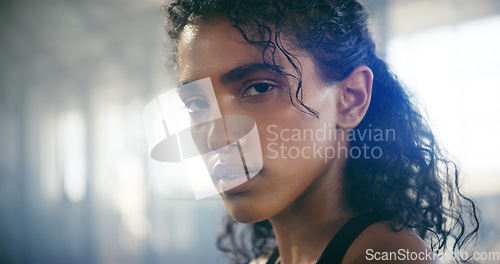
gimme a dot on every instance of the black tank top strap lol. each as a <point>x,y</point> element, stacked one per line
<point>340,243</point>
<point>272,259</point>
<point>338,246</point>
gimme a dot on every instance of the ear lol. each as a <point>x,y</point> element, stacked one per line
<point>354,97</point>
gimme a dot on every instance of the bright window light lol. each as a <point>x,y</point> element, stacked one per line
<point>454,71</point>
<point>72,145</point>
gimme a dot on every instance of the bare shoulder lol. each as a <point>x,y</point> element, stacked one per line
<point>379,243</point>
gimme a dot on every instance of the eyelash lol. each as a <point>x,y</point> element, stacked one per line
<point>270,86</point>
<point>205,104</point>
<point>195,100</point>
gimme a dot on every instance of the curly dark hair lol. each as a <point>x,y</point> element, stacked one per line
<point>413,184</point>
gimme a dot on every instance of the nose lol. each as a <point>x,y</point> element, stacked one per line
<point>229,130</point>
<point>229,127</point>
<point>217,135</point>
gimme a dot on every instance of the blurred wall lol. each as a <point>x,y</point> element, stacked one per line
<point>76,181</point>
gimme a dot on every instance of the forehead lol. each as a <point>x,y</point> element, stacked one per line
<point>209,48</point>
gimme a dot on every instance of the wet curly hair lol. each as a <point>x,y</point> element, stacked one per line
<point>413,184</point>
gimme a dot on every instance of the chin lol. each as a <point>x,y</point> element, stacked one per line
<point>246,218</point>
<point>245,215</point>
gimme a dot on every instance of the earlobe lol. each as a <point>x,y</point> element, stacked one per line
<point>354,97</point>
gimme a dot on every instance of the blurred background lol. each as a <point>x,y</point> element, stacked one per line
<point>76,181</point>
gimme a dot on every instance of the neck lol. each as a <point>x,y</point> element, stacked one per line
<point>305,228</point>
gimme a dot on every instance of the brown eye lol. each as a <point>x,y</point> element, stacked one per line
<point>258,89</point>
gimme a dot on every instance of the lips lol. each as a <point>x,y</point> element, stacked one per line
<point>228,170</point>
<point>232,178</point>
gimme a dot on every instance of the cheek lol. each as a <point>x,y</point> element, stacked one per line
<point>303,146</point>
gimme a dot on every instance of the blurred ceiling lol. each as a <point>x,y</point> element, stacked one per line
<point>409,16</point>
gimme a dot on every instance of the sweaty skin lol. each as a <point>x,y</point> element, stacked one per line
<point>302,197</point>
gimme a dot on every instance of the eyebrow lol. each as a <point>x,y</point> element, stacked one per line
<point>243,71</point>
<point>239,72</point>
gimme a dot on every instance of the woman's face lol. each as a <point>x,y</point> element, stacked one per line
<point>295,160</point>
